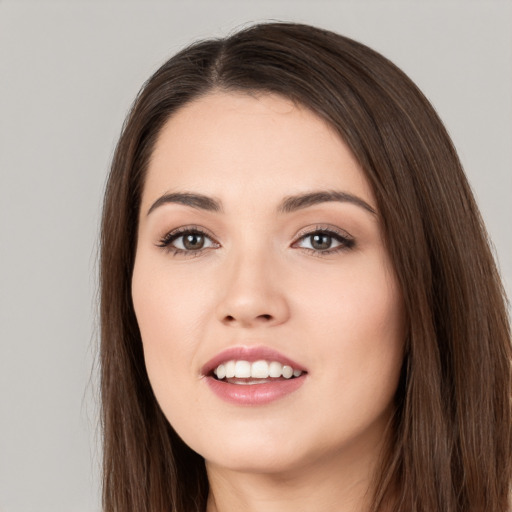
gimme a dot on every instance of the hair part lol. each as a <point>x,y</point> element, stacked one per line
<point>450,442</point>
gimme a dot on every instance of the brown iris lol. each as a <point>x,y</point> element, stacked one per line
<point>193,241</point>
<point>321,241</point>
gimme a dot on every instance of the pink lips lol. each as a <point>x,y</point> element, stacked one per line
<point>255,394</point>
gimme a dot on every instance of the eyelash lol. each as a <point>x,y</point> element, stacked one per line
<point>344,239</point>
<point>167,240</point>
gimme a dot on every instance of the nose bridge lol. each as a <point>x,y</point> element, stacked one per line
<point>251,292</point>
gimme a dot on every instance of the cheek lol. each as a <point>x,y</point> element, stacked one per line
<point>167,310</point>
<point>170,315</point>
<point>358,327</point>
<point>168,305</point>
<point>356,299</point>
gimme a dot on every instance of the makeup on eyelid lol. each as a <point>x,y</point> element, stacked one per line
<point>320,235</point>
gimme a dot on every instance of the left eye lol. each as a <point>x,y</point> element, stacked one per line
<point>324,241</point>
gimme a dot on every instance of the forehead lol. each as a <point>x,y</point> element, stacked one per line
<point>250,147</point>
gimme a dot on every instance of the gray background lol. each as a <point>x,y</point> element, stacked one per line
<point>68,73</point>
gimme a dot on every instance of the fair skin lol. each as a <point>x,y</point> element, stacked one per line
<point>313,283</point>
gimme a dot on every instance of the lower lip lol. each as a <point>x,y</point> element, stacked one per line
<point>254,394</point>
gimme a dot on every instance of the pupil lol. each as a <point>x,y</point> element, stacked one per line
<point>321,241</point>
<point>193,241</point>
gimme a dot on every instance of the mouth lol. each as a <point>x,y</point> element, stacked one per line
<point>257,372</point>
<point>253,375</point>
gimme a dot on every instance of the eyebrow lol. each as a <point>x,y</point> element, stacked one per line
<point>288,205</point>
<point>300,201</point>
<point>198,201</point>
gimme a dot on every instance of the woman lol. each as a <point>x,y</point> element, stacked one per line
<point>299,305</point>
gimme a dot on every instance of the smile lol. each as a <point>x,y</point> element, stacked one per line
<point>252,376</point>
<point>245,372</point>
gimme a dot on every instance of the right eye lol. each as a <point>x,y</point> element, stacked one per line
<point>187,241</point>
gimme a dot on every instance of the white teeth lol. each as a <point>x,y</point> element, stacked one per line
<point>230,369</point>
<point>221,371</point>
<point>287,372</point>
<point>242,369</point>
<point>275,369</point>
<point>257,370</point>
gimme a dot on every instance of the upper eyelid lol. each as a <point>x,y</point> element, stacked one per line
<point>174,234</point>
<point>322,229</point>
<point>183,230</point>
<point>301,233</point>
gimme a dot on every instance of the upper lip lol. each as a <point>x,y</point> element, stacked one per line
<point>251,354</point>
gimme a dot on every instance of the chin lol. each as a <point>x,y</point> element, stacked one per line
<point>251,450</point>
<point>256,461</point>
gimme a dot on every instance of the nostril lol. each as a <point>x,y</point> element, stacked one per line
<point>248,319</point>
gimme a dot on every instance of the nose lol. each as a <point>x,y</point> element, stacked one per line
<point>252,294</point>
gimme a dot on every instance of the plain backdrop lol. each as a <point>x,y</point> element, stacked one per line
<point>69,71</point>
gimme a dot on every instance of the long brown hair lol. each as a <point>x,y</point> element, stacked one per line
<point>450,447</point>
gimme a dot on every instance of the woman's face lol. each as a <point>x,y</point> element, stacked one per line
<point>259,242</point>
